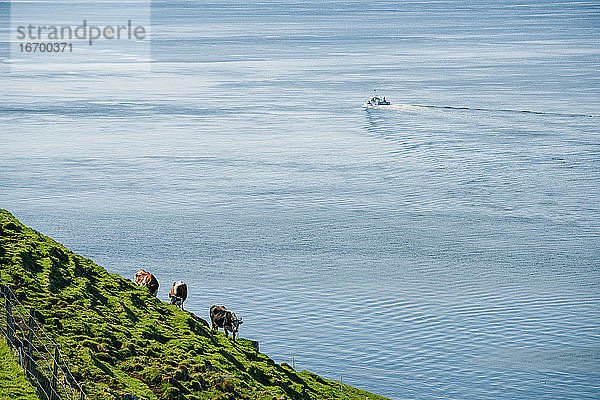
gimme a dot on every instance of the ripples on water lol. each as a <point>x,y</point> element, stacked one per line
<point>444,248</point>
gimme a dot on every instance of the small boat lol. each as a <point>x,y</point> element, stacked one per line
<point>375,101</point>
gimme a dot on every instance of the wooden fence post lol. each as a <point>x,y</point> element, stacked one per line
<point>21,357</point>
<point>46,386</point>
<point>29,353</point>
<point>53,389</point>
<point>10,324</point>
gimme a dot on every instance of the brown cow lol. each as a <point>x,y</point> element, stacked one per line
<point>178,293</point>
<point>143,278</point>
<point>223,318</point>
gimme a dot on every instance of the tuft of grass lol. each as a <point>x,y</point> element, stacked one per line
<point>119,340</point>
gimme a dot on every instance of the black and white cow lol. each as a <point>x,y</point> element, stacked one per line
<point>178,294</point>
<point>220,317</point>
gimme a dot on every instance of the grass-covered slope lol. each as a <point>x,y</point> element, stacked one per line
<point>13,384</point>
<point>120,340</point>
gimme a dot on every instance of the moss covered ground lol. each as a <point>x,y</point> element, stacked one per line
<point>120,340</point>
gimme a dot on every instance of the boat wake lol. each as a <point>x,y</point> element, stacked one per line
<point>425,107</point>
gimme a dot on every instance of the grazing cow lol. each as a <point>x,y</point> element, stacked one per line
<point>220,317</point>
<point>143,278</point>
<point>178,293</point>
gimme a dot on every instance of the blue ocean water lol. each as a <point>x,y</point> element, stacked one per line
<point>445,247</point>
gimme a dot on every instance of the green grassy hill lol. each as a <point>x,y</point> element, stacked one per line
<point>120,340</point>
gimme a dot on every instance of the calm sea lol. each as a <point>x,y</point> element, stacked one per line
<point>445,248</point>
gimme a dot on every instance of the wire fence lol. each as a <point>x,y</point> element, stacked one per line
<point>39,356</point>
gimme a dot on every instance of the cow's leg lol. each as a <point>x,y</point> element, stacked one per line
<point>233,334</point>
<point>214,326</point>
<point>226,332</point>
